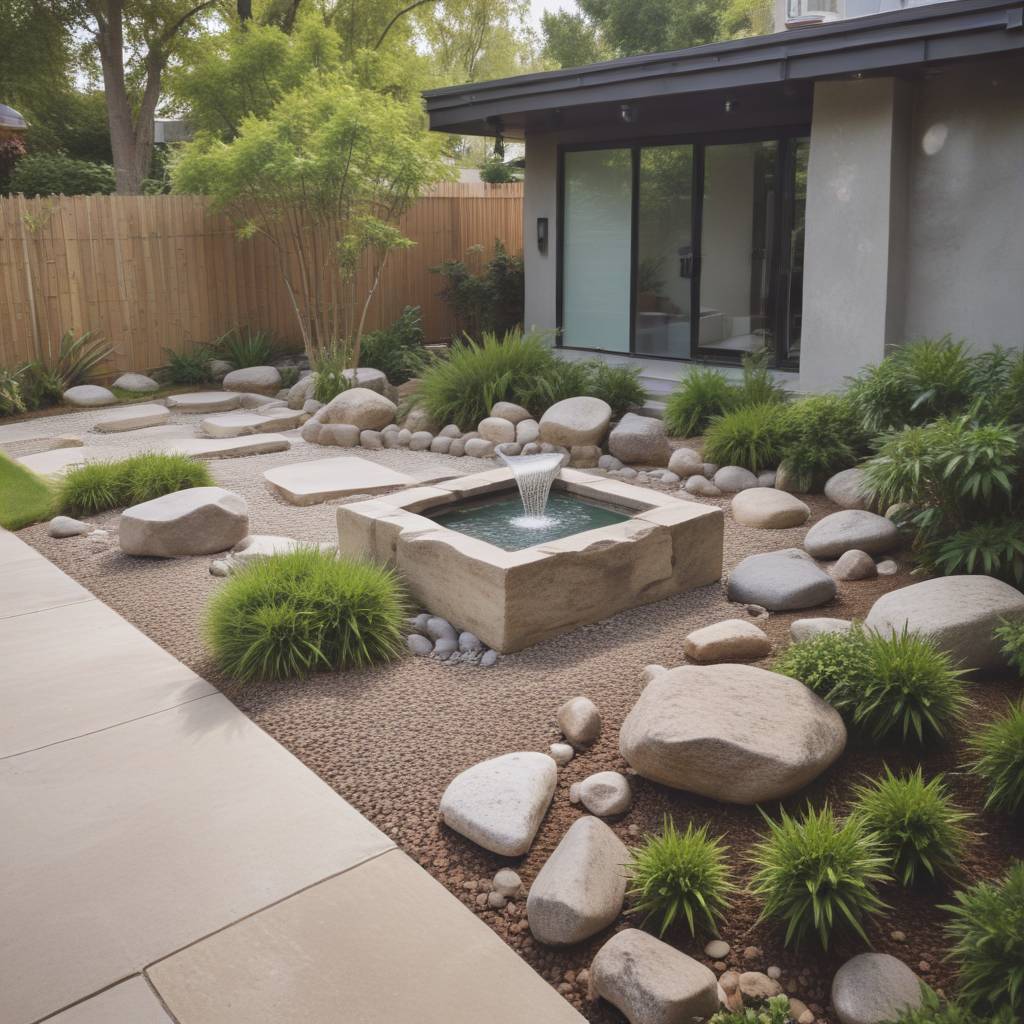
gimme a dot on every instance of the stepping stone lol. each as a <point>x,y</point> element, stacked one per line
<point>767,508</point>
<point>228,447</point>
<point>87,396</point>
<point>780,581</point>
<point>241,424</point>
<point>59,460</point>
<point>205,401</point>
<point>581,887</point>
<point>137,382</point>
<point>851,528</point>
<point>132,417</point>
<point>731,732</point>
<point>310,483</point>
<point>263,545</point>
<point>874,987</point>
<point>498,804</point>
<point>196,521</point>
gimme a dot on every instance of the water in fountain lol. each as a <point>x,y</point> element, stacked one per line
<point>534,475</point>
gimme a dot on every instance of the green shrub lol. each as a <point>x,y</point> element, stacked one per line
<point>397,351</point>
<point>46,174</point>
<point>489,301</point>
<point>495,171</point>
<point>78,355</point>
<point>41,386</point>
<point>818,875</point>
<point>562,379</point>
<point>934,1011</point>
<point>698,397</point>
<point>98,486</point>
<point>11,400</point>
<point>289,376</point>
<point>306,611</point>
<point>244,349</point>
<point>987,929</point>
<point>676,876</point>
<point>995,549</point>
<point>329,363</point>
<point>751,436</point>
<point>619,386</point>
<point>757,386</point>
<point>189,367</point>
<point>774,1011</point>
<point>997,750</point>
<point>24,497</point>
<point>917,824</point>
<point>826,663</point>
<point>822,435</point>
<point>1011,634</point>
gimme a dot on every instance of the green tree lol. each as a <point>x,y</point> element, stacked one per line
<point>571,40</point>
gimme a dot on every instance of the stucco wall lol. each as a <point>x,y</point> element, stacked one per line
<point>540,199</point>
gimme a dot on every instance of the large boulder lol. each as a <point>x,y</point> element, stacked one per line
<point>730,640</point>
<point>581,887</point>
<point>847,489</point>
<point>640,439</point>
<point>138,383</point>
<point>874,988</point>
<point>196,521</point>
<point>767,508</point>
<point>959,612</point>
<point>499,804</point>
<point>780,581</point>
<point>510,411</point>
<point>573,421</point>
<point>686,462</point>
<point>651,982</point>
<point>360,407</point>
<point>733,479</point>
<point>851,528</point>
<point>264,379</point>
<point>735,733</point>
<point>87,396</point>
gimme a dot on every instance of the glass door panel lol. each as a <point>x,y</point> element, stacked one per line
<point>596,234</point>
<point>665,258</point>
<point>737,240</point>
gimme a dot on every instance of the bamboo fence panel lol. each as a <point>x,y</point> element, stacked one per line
<point>152,273</point>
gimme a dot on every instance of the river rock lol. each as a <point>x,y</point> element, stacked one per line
<point>301,391</point>
<point>848,489</point>
<point>605,794</point>
<point>562,753</point>
<point>253,378</point>
<point>733,479</point>
<point>685,462</point>
<point>450,430</point>
<point>138,383</point>
<point>651,982</point>
<point>65,526</point>
<point>730,640</point>
<point>88,396</point>
<point>363,408</point>
<point>701,486</point>
<point>854,565</point>
<point>804,629</point>
<point>959,612</point>
<point>344,435</point>
<point>420,441</point>
<point>441,445</point>
<point>527,432</point>
<point>515,414</point>
<point>581,887</point>
<point>731,732</point>
<point>497,430</point>
<point>579,420</point>
<point>873,988</point>
<point>580,721</point>
<point>498,804</point>
<point>768,509</point>
<point>418,419</point>
<point>640,439</point>
<point>851,528</point>
<point>780,581</point>
<point>196,521</point>
<point>479,448</point>
<point>419,644</point>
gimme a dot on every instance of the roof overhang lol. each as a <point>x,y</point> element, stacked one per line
<point>897,42</point>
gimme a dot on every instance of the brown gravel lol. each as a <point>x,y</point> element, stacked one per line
<point>389,740</point>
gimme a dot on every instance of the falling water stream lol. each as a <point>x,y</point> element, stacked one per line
<point>534,475</point>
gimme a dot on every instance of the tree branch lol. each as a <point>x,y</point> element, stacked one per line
<point>400,14</point>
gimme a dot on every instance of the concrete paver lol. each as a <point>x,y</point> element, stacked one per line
<point>309,483</point>
<point>30,583</point>
<point>131,1002</point>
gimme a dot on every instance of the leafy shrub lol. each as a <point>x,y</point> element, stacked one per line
<point>619,385</point>
<point>827,663</point>
<point>988,931</point>
<point>487,302</point>
<point>677,876</point>
<point>495,171</point>
<point>397,351</point>
<point>243,349</point>
<point>11,400</point>
<point>934,1011</point>
<point>1012,636</point>
<point>750,436</point>
<point>774,1011</point>
<point>701,395</point>
<point>562,379</point>
<point>917,824</point>
<point>818,874</point>
<point>757,386</point>
<point>41,385</point>
<point>329,363</point>
<point>99,486</point>
<point>189,367</point>
<point>306,611</point>
<point>45,174</point>
<point>822,435</point>
<point>998,759</point>
<point>78,355</point>
<point>995,549</point>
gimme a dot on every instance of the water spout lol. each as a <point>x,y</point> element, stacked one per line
<point>534,475</point>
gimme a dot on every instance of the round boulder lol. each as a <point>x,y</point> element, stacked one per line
<point>780,581</point>
<point>768,509</point>
<point>733,479</point>
<point>605,794</point>
<point>196,521</point>
<point>685,462</point>
<point>87,396</point>
<point>847,489</point>
<point>702,487</point>
<point>640,439</point>
<point>253,378</point>
<point>527,432</point>
<point>851,528</point>
<point>138,383</point>
<point>874,988</point>
<point>361,407</point>
<point>579,420</point>
<point>497,430</point>
<point>854,565</point>
<point>510,411</point>
<point>735,733</point>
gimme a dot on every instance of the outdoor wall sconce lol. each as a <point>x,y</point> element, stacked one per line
<point>542,234</point>
<point>627,111</point>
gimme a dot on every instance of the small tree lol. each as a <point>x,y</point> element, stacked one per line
<point>324,176</point>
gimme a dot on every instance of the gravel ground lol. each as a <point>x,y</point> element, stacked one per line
<point>389,740</point>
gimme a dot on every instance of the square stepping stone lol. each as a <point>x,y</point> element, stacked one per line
<point>310,483</point>
<point>58,461</point>
<point>240,424</point>
<point>133,417</point>
<point>205,401</point>
<point>227,447</point>
<point>131,1002</point>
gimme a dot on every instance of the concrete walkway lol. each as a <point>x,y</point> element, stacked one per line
<point>163,859</point>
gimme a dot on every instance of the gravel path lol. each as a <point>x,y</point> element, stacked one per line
<point>389,740</point>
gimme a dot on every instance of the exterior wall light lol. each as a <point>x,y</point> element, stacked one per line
<point>542,234</point>
<point>627,111</point>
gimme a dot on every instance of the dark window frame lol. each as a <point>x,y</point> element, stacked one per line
<point>780,246</point>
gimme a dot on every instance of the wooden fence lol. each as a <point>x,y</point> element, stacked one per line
<point>158,272</point>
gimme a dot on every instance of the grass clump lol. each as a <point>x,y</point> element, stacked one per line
<point>1011,636</point>
<point>916,823</point>
<point>618,385</point>
<point>987,929</point>
<point>98,486</point>
<point>699,397</point>
<point>751,436</point>
<point>998,760</point>
<point>329,364</point>
<point>244,348</point>
<point>676,876</point>
<point>191,366</point>
<point>24,497</point>
<point>287,616</point>
<point>819,874</point>
<point>934,1011</point>
<point>773,1011</point>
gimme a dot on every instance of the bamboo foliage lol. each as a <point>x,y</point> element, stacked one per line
<point>157,272</point>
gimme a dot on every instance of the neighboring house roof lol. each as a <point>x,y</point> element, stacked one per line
<point>932,34</point>
<point>11,120</point>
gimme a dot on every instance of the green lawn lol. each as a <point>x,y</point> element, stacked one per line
<point>24,497</point>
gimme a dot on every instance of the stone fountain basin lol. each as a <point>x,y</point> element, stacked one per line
<point>513,599</point>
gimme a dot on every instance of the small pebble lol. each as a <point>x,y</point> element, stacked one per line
<point>574,793</point>
<point>220,567</point>
<point>774,973</point>
<point>481,899</point>
<point>489,659</point>
<point>562,753</point>
<point>751,953</point>
<point>507,883</point>
<point>496,901</point>
<point>719,965</point>
<point>924,967</point>
<point>898,936</point>
<point>716,949</point>
<point>887,567</point>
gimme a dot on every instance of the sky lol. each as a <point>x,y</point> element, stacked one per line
<point>538,7</point>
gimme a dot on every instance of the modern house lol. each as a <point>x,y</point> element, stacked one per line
<point>823,192</point>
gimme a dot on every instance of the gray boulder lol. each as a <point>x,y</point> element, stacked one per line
<point>874,988</point>
<point>581,887</point>
<point>196,521</point>
<point>580,420</point>
<point>136,382</point>
<point>651,982</point>
<point>685,462</point>
<point>733,479</point>
<point>253,378</point>
<point>88,396</point>
<point>780,581</point>
<point>640,439</point>
<point>959,612</point>
<point>847,489</point>
<point>851,528</point>
<point>854,565</point>
<point>498,804</point>
<point>65,526</point>
<point>735,733</point>
<point>580,721</point>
